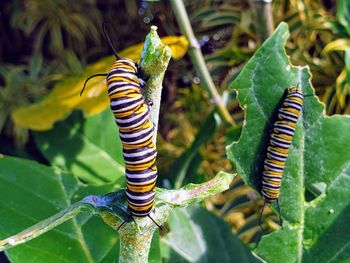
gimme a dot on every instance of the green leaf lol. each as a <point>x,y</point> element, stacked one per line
<point>154,253</point>
<point>30,192</point>
<point>89,149</point>
<point>198,236</point>
<point>343,14</point>
<point>181,166</point>
<point>319,154</point>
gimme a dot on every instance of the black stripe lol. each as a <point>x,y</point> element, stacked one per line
<point>141,180</point>
<point>142,116</point>
<point>131,160</point>
<point>126,104</point>
<point>146,136</point>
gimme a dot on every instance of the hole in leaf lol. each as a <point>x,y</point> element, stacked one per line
<point>315,190</point>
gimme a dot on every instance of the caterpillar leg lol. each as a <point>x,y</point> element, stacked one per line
<point>260,216</point>
<point>279,213</point>
<point>278,210</point>
<point>127,220</point>
<point>155,222</point>
<point>150,103</point>
<point>131,217</point>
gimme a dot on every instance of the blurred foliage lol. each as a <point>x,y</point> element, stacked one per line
<point>58,25</point>
<point>65,95</point>
<point>21,84</point>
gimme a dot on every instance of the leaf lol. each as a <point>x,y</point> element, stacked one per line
<point>90,150</point>
<point>343,14</point>
<point>198,236</point>
<point>154,253</point>
<point>65,96</point>
<point>341,44</point>
<point>181,166</point>
<point>319,154</point>
<point>30,192</point>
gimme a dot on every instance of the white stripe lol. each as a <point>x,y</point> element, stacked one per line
<point>268,168</point>
<point>144,160</point>
<point>140,197</point>
<point>133,118</point>
<point>119,101</point>
<point>276,137</point>
<point>135,134</point>
<point>281,130</point>
<point>273,165</point>
<point>273,156</point>
<point>285,111</point>
<point>141,183</point>
<point>123,75</point>
<point>127,108</point>
<point>289,118</point>
<point>274,142</point>
<point>273,179</point>
<point>139,154</point>
<point>140,176</point>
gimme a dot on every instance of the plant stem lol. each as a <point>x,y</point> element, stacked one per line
<point>154,62</point>
<point>135,237</point>
<point>198,59</point>
<point>43,226</point>
<point>263,18</point>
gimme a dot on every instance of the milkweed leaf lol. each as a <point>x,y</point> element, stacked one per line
<point>313,229</point>
<point>30,192</point>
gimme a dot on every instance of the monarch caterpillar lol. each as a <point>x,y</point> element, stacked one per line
<point>280,140</point>
<point>132,115</point>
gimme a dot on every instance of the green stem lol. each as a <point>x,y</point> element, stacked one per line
<point>43,226</point>
<point>135,237</point>
<point>198,59</point>
<point>154,62</point>
<point>263,18</point>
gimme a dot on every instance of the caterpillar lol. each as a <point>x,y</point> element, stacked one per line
<point>132,115</point>
<point>280,140</point>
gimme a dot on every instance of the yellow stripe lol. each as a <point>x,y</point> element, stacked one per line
<point>140,167</point>
<point>141,208</point>
<point>128,93</point>
<point>141,188</point>
<point>128,146</point>
<point>144,125</point>
<point>124,79</point>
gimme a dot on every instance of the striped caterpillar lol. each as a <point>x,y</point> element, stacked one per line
<point>132,115</point>
<point>280,140</point>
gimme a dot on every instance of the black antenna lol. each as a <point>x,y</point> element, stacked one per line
<point>86,81</point>
<point>109,40</point>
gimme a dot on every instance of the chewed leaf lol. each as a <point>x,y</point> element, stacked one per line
<point>65,96</point>
<point>319,154</point>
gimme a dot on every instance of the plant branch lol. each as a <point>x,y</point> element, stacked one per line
<point>154,62</point>
<point>198,59</point>
<point>263,18</point>
<point>43,226</point>
<point>136,236</point>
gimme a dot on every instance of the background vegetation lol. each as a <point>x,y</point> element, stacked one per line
<point>48,48</point>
